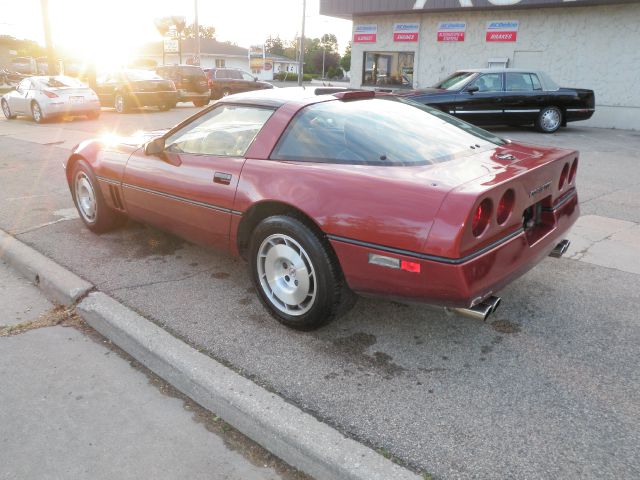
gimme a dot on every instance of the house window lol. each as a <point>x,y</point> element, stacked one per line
<point>220,63</point>
<point>388,69</point>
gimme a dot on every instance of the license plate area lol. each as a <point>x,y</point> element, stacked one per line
<point>76,99</point>
<point>538,220</point>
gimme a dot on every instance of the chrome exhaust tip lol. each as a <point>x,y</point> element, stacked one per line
<point>482,311</point>
<point>560,249</point>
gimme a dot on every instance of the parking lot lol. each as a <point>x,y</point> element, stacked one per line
<point>547,388</point>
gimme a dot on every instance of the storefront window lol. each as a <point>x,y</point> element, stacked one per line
<point>388,69</point>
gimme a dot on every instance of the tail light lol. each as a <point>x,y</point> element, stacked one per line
<point>481,217</point>
<point>563,176</point>
<point>572,172</point>
<point>505,206</point>
<point>49,94</point>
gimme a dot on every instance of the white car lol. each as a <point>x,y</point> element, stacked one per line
<point>45,97</point>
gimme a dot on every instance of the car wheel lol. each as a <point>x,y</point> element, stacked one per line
<point>93,115</point>
<point>36,112</point>
<point>200,103</point>
<point>226,92</point>
<point>120,104</point>
<point>87,196</point>
<point>7,111</point>
<point>296,274</point>
<point>549,120</point>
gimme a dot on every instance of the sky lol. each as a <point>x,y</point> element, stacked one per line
<point>109,29</point>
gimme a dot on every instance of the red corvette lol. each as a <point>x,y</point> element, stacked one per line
<point>328,192</point>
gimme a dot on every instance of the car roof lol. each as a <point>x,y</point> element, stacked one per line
<point>497,70</point>
<point>279,96</point>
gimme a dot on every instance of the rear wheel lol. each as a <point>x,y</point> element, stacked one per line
<point>87,196</point>
<point>549,120</point>
<point>7,111</point>
<point>200,103</point>
<point>226,92</point>
<point>296,275</point>
<point>93,115</point>
<point>36,112</point>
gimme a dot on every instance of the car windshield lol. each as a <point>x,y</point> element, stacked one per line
<point>379,131</point>
<point>61,82</point>
<point>455,81</point>
<point>141,75</point>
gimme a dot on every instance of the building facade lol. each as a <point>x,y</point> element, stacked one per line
<point>591,44</point>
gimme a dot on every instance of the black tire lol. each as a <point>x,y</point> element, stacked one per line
<point>7,111</point>
<point>200,103</point>
<point>120,103</point>
<point>549,120</point>
<point>166,107</point>
<point>331,295</point>
<point>36,112</point>
<point>93,115</point>
<point>104,218</point>
<point>226,92</point>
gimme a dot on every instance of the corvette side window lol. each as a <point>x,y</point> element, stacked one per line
<point>225,131</point>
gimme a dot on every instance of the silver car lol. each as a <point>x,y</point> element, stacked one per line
<point>46,97</point>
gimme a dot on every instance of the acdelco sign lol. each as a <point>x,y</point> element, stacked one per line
<point>502,31</point>
<point>423,4</point>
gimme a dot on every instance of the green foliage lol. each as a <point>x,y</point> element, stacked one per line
<point>274,46</point>
<point>345,61</point>
<point>205,32</point>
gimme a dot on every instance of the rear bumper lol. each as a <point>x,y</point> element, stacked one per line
<point>186,96</point>
<point>576,114</point>
<point>56,109</point>
<point>453,282</point>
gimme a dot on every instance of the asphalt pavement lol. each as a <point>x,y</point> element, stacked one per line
<point>547,389</point>
<point>75,407</point>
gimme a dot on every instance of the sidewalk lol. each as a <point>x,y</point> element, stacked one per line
<point>74,407</point>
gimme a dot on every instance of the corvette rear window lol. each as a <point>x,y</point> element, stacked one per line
<point>379,131</point>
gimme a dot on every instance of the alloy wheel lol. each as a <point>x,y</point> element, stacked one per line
<point>85,197</point>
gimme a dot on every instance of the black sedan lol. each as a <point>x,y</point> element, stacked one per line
<point>508,97</point>
<point>129,89</point>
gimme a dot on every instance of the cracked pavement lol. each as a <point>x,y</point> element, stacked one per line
<point>547,390</point>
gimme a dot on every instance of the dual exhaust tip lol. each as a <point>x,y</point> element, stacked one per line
<point>560,249</point>
<point>482,311</point>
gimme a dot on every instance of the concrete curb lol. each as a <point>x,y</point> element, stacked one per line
<point>283,429</point>
<point>57,283</point>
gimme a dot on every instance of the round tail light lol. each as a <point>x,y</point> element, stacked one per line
<point>505,206</point>
<point>563,176</point>
<point>481,217</point>
<point>572,172</point>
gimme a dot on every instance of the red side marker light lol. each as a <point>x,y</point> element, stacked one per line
<point>49,94</point>
<point>410,266</point>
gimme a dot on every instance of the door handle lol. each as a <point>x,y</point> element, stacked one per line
<point>222,178</point>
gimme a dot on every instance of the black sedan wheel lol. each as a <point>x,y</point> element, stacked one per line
<point>94,211</point>
<point>7,111</point>
<point>549,120</point>
<point>296,275</point>
<point>120,103</point>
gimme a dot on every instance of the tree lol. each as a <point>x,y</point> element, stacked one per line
<point>345,61</point>
<point>205,32</point>
<point>274,46</point>
<point>329,42</point>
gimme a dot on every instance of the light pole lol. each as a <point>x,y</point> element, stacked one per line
<point>324,50</point>
<point>197,25</point>
<point>51,54</point>
<point>301,59</point>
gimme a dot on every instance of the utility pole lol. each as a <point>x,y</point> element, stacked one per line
<point>51,54</point>
<point>197,25</point>
<point>301,59</point>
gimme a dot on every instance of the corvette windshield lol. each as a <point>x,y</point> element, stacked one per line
<point>379,131</point>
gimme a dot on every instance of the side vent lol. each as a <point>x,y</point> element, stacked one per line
<point>115,197</point>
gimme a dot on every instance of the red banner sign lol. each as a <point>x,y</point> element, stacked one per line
<point>406,32</point>
<point>365,33</point>
<point>502,31</point>
<point>451,31</point>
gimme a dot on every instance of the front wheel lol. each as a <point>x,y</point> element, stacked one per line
<point>87,196</point>
<point>549,120</point>
<point>296,274</point>
<point>7,111</point>
<point>120,103</point>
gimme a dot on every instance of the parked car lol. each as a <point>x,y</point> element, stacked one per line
<point>47,97</point>
<point>190,81</point>
<point>127,89</point>
<point>329,192</point>
<point>227,81</point>
<point>24,65</point>
<point>508,97</point>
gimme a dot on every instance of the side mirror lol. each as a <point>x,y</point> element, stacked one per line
<point>473,89</point>
<point>154,147</point>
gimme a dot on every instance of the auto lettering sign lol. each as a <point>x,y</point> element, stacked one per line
<point>502,31</point>
<point>451,31</point>
<point>406,32</point>
<point>365,33</point>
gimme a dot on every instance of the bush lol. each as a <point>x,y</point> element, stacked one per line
<point>292,77</point>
